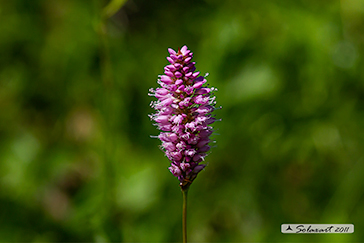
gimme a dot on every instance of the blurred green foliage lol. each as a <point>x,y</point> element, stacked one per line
<point>76,159</point>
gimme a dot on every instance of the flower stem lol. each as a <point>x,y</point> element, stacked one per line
<point>184,215</point>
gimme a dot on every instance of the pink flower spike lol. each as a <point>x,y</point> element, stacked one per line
<point>183,114</point>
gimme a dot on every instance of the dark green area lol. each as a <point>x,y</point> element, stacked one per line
<point>76,159</point>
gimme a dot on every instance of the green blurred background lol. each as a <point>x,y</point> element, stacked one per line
<point>76,159</point>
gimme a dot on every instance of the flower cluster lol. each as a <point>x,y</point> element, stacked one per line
<point>183,115</point>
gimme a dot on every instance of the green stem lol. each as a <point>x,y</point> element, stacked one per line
<point>184,215</point>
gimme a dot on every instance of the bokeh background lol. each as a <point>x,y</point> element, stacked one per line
<point>76,159</point>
